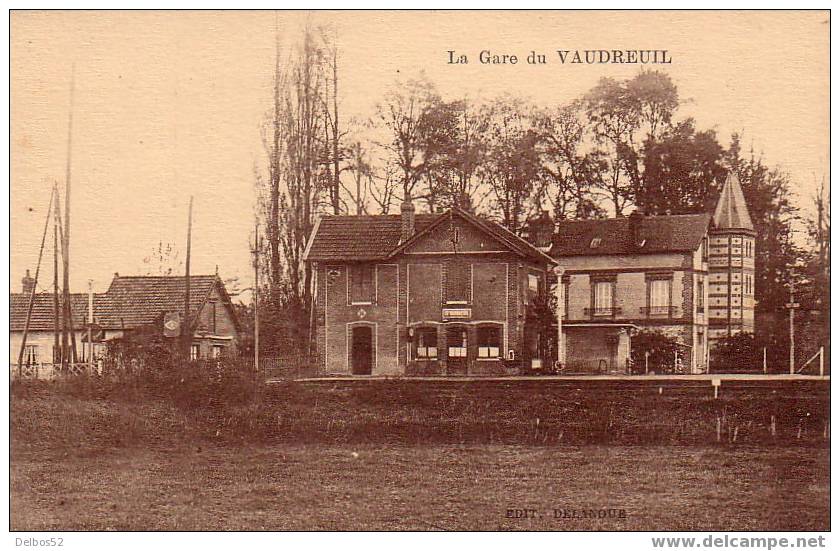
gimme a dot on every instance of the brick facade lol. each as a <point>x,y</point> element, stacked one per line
<point>411,297</point>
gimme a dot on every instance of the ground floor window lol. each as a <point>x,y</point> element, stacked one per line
<point>489,342</point>
<point>195,351</point>
<point>217,350</point>
<point>426,343</point>
<point>456,342</point>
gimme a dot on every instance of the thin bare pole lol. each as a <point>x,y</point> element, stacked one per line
<point>68,314</point>
<point>186,331</point>
<point>90,324</point>
<point>34,286</point>
<point>257,297</point>
<point>56,316</point>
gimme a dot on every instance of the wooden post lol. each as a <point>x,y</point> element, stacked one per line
<point>561,306</point>
<point>65,249</point>
<point>765,360</point>
<point>90,324</point>
<point>186,326</point>
<point>257,297</point>
<point>34,289</point>
<point>792,306</point>
<point>822,361</point>
<point>56,340</point>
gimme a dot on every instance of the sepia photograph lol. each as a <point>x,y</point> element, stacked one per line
<point>415,271</point>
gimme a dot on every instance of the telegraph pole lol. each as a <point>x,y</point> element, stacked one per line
<point>56,340</point>
<point>792,306</point>
<point>257,297</point>
<point>186,331</point>
<point>34,288</point>
<point>67,310</point>
<point>90,323</point>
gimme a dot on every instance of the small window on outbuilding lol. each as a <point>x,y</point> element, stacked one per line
<point>595,243</point>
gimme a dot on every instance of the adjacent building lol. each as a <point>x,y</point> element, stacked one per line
<point>130,305</point>
<point>690,277</point>
<point>444,293</point>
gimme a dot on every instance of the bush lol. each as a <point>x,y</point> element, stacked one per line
<point>744,353</point>
<point>661,351</point>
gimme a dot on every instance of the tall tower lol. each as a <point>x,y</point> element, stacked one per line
<point>731,264</point>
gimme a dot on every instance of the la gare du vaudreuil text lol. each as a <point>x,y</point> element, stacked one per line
<point>565,57</point>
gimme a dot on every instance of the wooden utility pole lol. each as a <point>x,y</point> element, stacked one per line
<point>90,323</point>
<point>65,248</point>
<point>34,288</point>
<point>257,297</point>
<point>792,306</point>
<point>56,340</point>
<point>186,326</point>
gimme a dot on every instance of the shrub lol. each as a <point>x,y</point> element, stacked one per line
<point>744,353</point>
<point>661,352</point>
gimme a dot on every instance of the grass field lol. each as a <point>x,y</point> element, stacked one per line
<point>422,488</point>
<point>395,456</point>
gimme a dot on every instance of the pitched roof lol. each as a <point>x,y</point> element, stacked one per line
<point>43,311</point>
<point>731,211</point>
<point>660,234</point>
<point>360,238</point>
<point>342,238</point>
<point>140,300</point>
<point>129,302</point>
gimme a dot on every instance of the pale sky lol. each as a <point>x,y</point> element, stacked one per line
<point>168,105</point>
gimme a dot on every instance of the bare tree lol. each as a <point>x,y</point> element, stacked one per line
<point>162,261</point>
<point>334,153</point>
<point>512,165</point>
<point>360,169</point>
<point>463,142</point>
<point>409,114</point>
<point>385,185</point>
<point>567,171</point>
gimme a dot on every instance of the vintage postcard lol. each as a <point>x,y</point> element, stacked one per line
<point>558,271</point>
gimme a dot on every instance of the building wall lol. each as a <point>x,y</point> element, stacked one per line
<point>339,317</point>
<point>731,283</point>
<point>631,275</point>
<point>410,295</point>
<point>44,340</point>
<point>224,333</point>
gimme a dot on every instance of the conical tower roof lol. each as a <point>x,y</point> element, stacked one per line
<point>731,211</point>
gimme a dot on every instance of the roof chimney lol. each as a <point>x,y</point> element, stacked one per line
<point>407,212</point>
<point>28,284</point>
<point>635,219</point>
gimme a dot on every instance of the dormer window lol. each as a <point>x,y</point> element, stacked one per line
<point>595,243</point>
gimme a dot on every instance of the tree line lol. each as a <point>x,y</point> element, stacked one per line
<point>623,145</point>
